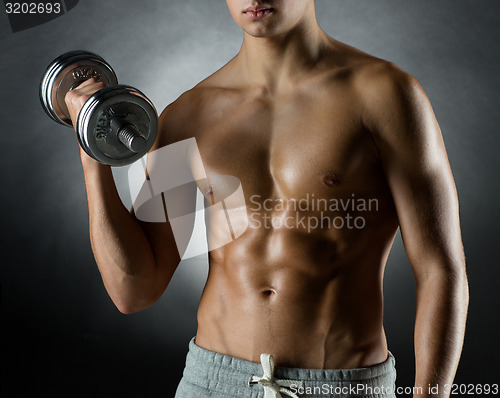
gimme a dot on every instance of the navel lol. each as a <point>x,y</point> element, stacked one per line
<point>268,292</point>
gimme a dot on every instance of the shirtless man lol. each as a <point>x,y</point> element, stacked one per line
<point>298,115</point>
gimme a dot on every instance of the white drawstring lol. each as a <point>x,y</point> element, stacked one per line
<point>273,388</point>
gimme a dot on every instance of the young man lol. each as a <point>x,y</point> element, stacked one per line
<point>317,129</point>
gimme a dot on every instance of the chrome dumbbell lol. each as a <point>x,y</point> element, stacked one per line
<point>117,125</point>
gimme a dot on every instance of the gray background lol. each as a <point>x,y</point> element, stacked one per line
<point>62,336</point>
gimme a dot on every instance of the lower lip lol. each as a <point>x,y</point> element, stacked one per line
<point>256,15</point>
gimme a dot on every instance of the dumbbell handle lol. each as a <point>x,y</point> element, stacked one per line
<point>129,135</point>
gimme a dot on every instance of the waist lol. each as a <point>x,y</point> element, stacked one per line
<point>226,374</point>
<point>343,324</point>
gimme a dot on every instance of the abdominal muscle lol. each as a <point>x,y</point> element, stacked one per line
<point>309,300</point>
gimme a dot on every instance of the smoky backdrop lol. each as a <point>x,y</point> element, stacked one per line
<point>62,335</point>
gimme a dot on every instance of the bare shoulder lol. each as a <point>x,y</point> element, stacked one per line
<point>391,103</point>
<point>385,89</point>
<point>388,95</point>
<point>394,108</point>
<point>185,117</point>
<point>370,75</point>
<point>372,81</point>
<point>176,121</point>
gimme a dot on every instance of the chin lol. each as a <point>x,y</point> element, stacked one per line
<point>261,30</point>
<point>259,33</point>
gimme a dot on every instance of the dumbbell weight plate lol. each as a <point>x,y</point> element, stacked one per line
<point>67,72</point>
<point>97,137</point>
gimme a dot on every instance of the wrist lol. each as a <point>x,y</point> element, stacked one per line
<point>89,164</point>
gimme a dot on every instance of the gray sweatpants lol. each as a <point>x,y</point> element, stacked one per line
<point>210,374</point>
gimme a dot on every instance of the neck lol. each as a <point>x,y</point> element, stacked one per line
<point>276,62</point>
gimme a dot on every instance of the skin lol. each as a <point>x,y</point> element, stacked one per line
<point>295,114</point>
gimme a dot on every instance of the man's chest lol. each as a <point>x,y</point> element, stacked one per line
<point>291,147</point>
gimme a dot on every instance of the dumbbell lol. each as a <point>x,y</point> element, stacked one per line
<point>117,125</point>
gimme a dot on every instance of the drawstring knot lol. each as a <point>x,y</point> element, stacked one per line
<point>274,388</point>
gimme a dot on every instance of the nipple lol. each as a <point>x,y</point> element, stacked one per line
<point>210,192</point>
<point>332,180</point>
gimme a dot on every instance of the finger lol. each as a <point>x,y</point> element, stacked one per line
<point>88,82</point>
<point>88,88</point>
<point>76,98</point>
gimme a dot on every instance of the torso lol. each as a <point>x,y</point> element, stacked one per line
<point>312,297</point>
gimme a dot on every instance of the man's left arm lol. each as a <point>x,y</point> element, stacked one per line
<point>400,118</point>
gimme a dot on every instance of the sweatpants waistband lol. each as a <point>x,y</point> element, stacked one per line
<point>224,375</point>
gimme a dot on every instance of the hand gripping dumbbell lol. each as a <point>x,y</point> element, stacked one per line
<point>117,125</point>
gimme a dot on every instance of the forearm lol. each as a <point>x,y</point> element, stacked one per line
<point>442,301</point>
<point>121,248</point>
